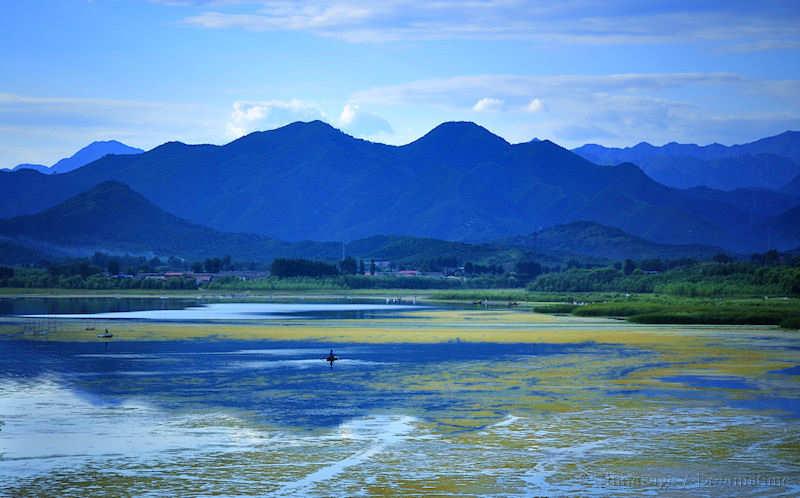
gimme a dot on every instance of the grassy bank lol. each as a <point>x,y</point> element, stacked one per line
<point>638,308</point>
<point>659,309</point>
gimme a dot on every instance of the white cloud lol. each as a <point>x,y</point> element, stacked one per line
<point>286,16</point>
<point>615,109</point>
<point>348,114</point>
<point>520,87</point>
<point>534,105</point>
<point>361,123</point>
<point>728,25</point>
<point>250,116</point>
<point>487,104</point>
<point>44,129</point>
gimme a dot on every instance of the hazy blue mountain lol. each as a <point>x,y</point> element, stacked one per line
<point>767,163</point>
<point>588,238</point>
<point>458,182</point>
<point>784,229</point>
<point>113,218</point>
<point>91,152</point>
<point>14,252</point>
<point>41,168</point>
<point>793,187</point>
<point>787,144</point>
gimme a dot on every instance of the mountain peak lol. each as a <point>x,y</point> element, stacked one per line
<point>463,138</point>
<point>463,129</point>
<point>91,153</point>
<point>100,143</point>
<point>107,196</point>
<point>297,133</point>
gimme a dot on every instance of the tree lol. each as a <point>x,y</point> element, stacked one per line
<point>628,267</point>
<point>652,265</point>
<point>197,267</point>
<point>348,266</point>
<point>372,267</point>
<point>283,268</point>
<point>528,270</point>
<point>722,258</point>
<point>361,267</point>
<point>6,273</point>
<point>113,266</point>
<point>772,257</point>
<point>213,265</point>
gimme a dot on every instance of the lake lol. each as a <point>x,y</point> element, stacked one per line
<point>227,398</point>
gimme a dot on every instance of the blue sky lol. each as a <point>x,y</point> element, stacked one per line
<point>575,71</point>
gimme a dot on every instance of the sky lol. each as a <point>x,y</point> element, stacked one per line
<point>614,72</point>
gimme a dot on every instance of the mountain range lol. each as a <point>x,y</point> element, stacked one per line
<point>84,156</point>
<point>767,163</point>
<point>111,217</point>
<point>459,182</point>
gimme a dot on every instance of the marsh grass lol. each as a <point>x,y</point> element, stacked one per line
<point>672,310</point>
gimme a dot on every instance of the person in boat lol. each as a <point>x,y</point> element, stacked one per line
<point>331,358</point>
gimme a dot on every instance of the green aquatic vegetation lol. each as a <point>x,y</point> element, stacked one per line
<point>555,308</point>
<point>667,310</point>
<point>532,423</point>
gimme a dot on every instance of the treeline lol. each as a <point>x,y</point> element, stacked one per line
<point>125,264</point>
<point>769,273</point>
<point>105,271</point>
<point>87,277</point>
<point>284,268</point>
<point>344,282</point>
<point>707,279</point>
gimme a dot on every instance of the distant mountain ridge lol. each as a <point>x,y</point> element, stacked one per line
<point>111,217</point>
<point>459,182</point>
<point>766,163</point>
<point>84,156</point>
<point>41,168</point>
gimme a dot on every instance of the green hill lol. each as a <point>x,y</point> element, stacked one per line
<point>585,238</point>
<point>113,218</point>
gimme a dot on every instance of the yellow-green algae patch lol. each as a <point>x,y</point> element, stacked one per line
<point>593,418</point>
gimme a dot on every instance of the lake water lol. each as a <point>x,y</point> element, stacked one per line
<point>424,401</point>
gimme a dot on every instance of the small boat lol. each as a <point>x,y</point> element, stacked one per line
<point>105,335</point>
<point>331,358</point>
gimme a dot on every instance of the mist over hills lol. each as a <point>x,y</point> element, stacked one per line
<point>84,156</point>
<point>767,163</point>
<point>459,182</point>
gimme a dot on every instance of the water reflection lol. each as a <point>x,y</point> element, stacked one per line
<point>183,311</point>
<point>79,305</point>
